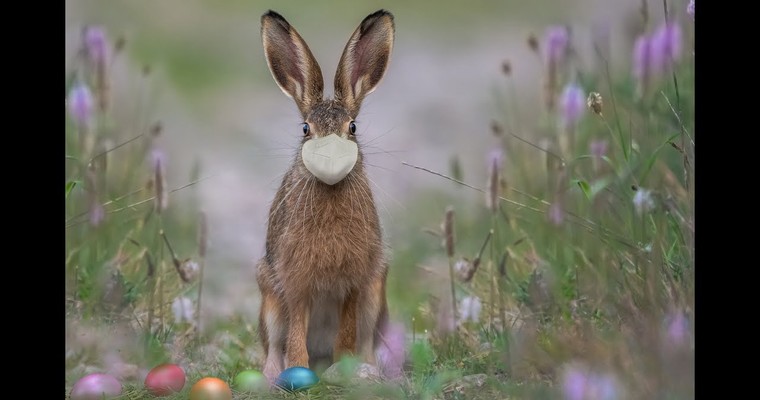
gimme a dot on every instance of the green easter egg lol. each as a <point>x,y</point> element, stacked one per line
<point>250,381</point>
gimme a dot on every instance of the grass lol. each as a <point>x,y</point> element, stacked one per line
<point>582,263</point>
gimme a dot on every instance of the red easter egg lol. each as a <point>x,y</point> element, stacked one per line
<point>165,379</point>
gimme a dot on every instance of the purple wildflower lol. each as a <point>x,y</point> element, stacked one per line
<point>677,329</point>
<point>182,308</point>
<point>470,309</point>
<point>81,104</point>
<point>643,201</point>
<point>598,148</point>
<point>603,387</point>
<point>445,323</point>
<point>641,55</point>
<point>579,384</point>
<point>572,104</point>
<point>574,384</point>
<point>391,354</point>
<point>157,158</point>
<point>556,41</point>
<point>665,47</point>
<point>96,44</point>
<point>690,9</point>
<point>96,212</point>
<point>556,214</point>
<point>496,158</point>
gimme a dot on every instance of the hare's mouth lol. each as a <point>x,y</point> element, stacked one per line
<point>330,158</point>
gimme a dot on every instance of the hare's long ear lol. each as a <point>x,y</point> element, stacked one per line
<point>292,65</point>
<point>364,60</point>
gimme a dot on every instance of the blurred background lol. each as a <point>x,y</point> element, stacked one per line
<point>189,85</point>
<point>219,107</point>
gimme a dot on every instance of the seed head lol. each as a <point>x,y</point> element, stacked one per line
<point>495,163</point>
<point>448,231</point>
<point>594,102</point>
<point>533,42</point>
<point>465,269</point>
<point>506,67</point>
<point>158,159</point>
<point>188,270</point>
<point>202,234</point>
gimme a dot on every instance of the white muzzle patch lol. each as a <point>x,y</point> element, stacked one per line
<point>330,158</point>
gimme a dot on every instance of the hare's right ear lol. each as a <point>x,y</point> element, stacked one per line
<point>292,65</point>
<point>364,60</point>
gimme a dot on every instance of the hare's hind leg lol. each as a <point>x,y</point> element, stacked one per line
<point>345,340</point>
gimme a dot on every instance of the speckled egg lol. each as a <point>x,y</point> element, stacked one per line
<point>297,378</point>
<point>165,379</point>
<point>96,387</point>
<point>210,388</point>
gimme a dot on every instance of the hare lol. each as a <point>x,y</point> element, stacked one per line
<point>322,278</point>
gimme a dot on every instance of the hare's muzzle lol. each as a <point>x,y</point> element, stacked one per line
<point>330,158</point>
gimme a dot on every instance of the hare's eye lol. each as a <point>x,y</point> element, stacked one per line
<point>352,127</point>
<point>306,129</point>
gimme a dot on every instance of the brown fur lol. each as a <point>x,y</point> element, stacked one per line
<point>322,279</point>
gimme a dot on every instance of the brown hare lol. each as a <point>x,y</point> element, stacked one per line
<point>322,279</point>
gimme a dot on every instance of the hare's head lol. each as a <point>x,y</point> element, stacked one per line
<point>329,148</point>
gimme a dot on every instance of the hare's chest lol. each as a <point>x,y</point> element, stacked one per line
<point>327,260</point>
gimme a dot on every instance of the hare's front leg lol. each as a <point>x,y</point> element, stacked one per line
<point>296,354</point>
<point>272,330</point>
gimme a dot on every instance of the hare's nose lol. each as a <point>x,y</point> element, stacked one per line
<point>330,158</point>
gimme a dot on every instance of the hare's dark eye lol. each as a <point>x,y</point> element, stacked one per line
<point>306,129</point>
<point>352,127</point>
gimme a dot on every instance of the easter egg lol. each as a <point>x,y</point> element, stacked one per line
<point>250,381</point>
<point>96,387</point>
<point>165,379</point>
<point>297,378</point>
<point>210,388</point>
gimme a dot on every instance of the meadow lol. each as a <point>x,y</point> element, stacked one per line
<point>549,253</point>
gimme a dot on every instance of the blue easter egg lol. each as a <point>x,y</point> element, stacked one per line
<point>297,378</point>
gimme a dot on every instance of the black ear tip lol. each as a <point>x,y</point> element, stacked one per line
<point>274,17</point>
<point>380,13</point>
<point>272,14</point>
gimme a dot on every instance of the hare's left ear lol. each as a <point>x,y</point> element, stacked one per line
<point>364,60</point>
<point>290,60</point>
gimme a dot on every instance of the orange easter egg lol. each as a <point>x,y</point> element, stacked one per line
<point>210,388</point>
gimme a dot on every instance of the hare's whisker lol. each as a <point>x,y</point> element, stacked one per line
<point>298,201</point>
<point>381,167</point>
<point>387,194</point>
